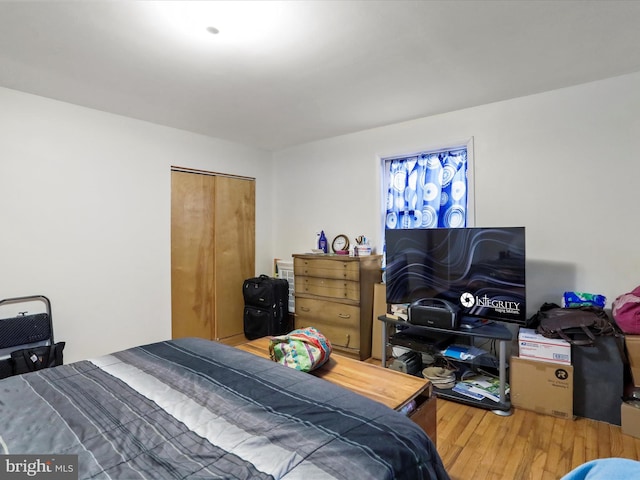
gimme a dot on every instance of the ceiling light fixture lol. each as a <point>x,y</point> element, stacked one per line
<point>245,25</point>
<point>242,22</point>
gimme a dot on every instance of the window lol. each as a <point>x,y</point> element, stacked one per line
<point>429,189</point>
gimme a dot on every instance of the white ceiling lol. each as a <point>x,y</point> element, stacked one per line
<point>296,71</point>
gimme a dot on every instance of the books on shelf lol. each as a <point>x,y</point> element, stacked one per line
<point>465,389</point>
<point>484,385</point>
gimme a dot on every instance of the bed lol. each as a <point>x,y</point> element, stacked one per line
<point>191,408</point>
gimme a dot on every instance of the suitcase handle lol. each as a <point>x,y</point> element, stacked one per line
<point>28,299</point>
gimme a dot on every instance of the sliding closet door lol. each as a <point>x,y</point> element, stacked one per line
<point>212,252</point>
<point>192,255</point>
<point>234,251</point>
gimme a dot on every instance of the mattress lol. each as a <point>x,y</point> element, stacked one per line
<point>191,408</point>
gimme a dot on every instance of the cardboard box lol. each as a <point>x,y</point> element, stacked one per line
<point>630,420</point>
<point>542,387</point>
<point>632,342</point>
<point>379,308</point>
<point>535,346</point>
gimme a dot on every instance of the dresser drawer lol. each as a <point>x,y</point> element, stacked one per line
<point>338,335</point>
<point>328,287</point>
<point>325,268</point>
<point>340,323</point>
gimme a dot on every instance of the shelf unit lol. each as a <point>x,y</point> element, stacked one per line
<point>493,331</point>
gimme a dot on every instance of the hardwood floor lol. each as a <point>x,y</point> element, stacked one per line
<point>478,444</point>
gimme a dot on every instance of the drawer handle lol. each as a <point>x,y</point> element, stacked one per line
<point>305,309</point>
<point>344,315</point>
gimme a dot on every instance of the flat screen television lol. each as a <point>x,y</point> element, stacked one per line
<point>480,270</point>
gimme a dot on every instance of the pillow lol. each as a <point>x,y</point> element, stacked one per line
<point>304,349</point>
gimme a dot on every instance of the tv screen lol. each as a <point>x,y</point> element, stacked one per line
<point>481,270</point>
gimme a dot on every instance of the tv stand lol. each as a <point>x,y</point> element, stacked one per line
<point>492,331</point>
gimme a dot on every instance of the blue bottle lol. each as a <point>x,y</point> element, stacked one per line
<point>322,242</point>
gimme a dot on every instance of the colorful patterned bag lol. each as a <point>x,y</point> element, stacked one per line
<point>304,349</point>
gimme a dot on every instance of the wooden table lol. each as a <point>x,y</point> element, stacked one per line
<point>389,387</point>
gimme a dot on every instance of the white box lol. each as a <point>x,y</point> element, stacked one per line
<point>284,269</point>
<point>537,347</point>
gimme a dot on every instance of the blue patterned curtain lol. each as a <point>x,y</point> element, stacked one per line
<point>428,190</point>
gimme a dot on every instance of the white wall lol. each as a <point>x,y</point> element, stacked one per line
<point>85,199</point>
<point>85,216</point>
<point>565,164</point>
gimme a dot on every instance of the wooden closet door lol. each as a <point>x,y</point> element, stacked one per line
<point>234,251</point>
<point>192,255</point>
<point>212,252</point>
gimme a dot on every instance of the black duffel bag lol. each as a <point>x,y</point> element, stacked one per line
<point>36,358</point>
<point>576,325</point>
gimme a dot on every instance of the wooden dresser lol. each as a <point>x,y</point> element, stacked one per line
<point>334,293</point>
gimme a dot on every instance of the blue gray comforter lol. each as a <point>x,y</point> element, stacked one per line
<point>190,408</point>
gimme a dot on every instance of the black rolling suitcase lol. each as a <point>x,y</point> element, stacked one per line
<point>266,301</point>
<point>26,340</point>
